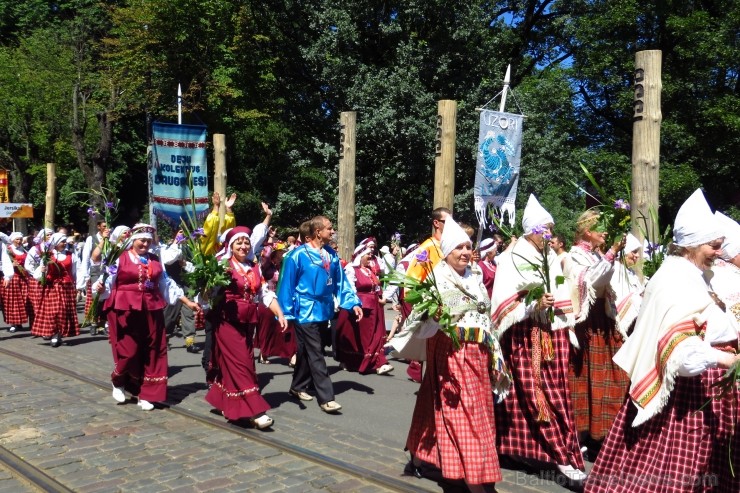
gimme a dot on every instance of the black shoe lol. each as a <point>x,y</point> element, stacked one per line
<point>56,340</point>
<point>193,348</point>
<point>93,330</point>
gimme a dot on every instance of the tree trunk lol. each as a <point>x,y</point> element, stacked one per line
<point>94,168</point>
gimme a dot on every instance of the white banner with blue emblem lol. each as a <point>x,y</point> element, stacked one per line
<point>497,164</point>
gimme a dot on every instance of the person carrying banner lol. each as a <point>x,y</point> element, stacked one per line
<point>88,272</point>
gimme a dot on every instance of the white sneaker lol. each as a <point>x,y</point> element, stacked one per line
<point>386,368</point>
<point>145,405</point>
<point>12,329</point>
<point>118,394</point>
<point>573,474</point>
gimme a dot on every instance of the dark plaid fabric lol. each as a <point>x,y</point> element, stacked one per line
<point>681,449</point>
<point>597,385</point>
<point>453,426</point>
<point>56,310</point>
<point>517,430</point>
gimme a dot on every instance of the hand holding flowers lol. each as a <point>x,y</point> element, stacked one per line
<point>425,298</point>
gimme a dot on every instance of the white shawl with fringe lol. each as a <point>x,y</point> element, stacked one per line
<point>589,275</point>
<point>628,296</point>
<point>515,278</point>
<point>673,311</point>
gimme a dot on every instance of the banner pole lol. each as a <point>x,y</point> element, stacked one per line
<point>507,80</point>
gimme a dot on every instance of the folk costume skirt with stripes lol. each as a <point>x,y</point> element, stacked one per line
<point>597,384</point>
<point>16,302</point>
<point>680,450</point>
<point>235,389</point>
<point>453,426</point>
<point>270,338</point>
<point>140,353</point>
<point>519,432</point>
<point>56,310</point>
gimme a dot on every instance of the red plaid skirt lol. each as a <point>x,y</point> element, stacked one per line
<point>56,311</point>
<point>517,430</point>
<point>453,425</point>
<point>15,297</point>
<point>597,384</point>
<point>681,449</point>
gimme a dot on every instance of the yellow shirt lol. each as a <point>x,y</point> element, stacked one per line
<point>434,250</point>
<point>211,231</point>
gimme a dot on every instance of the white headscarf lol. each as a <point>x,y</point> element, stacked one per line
<point>117,232</point>
<point>695,224</point>
<point>232,235</point>
<point>731,231</point>
<point>632,243</point>
<point>15,235</point>
<point>534,215</point>
<point>452,236</point>
<point>56,239</point>
<point>142,231</point>
<point>357,257</point>
<point>486,246</point>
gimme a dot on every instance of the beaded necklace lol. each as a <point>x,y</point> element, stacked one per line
<point>145,271</point>
<point>248,276</point>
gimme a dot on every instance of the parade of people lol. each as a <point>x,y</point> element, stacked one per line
<point>459,247</point>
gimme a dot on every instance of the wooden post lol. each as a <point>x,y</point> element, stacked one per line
<point>646,143</point>
<point>51,194</point>
<point>150,182</point>
<point>219,174</point>
<point>444,161</point>
<point>346,209</point>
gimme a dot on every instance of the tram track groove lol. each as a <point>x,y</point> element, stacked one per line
<point>338,465</point>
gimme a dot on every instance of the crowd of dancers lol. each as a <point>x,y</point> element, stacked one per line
<point>548,356</point>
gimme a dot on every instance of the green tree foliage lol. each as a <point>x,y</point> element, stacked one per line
<point>275,76</point>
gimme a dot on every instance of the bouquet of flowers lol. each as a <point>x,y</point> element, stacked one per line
<point>654,253</point>
<point>109,252</point>
<point>396,244</point>
<point>208,272</point>
<point>542,271</point>
<point>46,252</point>
<point>614,212</point>
<point>425,298</point>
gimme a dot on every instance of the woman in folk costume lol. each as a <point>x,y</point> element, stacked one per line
<point>118,236</point>
<point>453,425</point>
<point>360,345</point>
<point>234,388</point>
<point>597,385</point>
<point>270,338</point>
<point>627,286</point>
<point>56,315</point>
<point>487,250</point>
<point>16,304</point>
<point>674,434</point>
<point>135,296</point>
<point>536,420</point>
<point>34,257</point>
<point>726,280</point>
